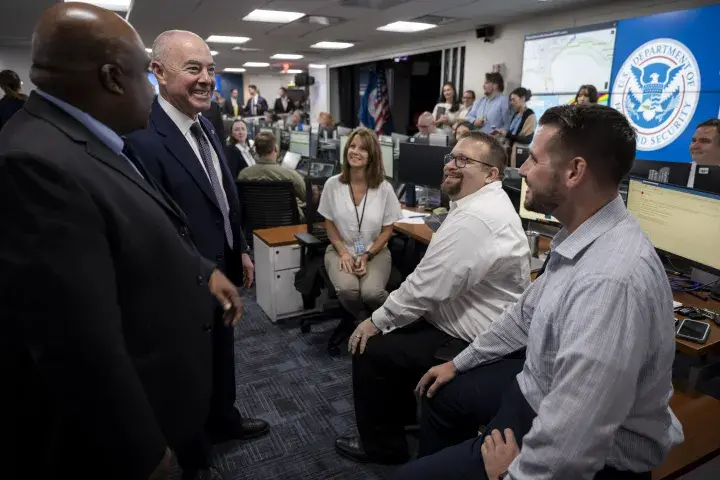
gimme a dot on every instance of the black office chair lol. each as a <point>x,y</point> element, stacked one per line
<point>267,204</point>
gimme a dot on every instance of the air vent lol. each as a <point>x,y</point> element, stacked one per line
<point>246,49</point>
<point>435,20</point>
<point>373,4</point>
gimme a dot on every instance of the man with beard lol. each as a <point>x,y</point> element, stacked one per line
<point>476,265</point>
<point>593,398</point>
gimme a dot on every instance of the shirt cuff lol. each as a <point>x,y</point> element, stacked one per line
<point>466,360</point>
<point>382,321</point>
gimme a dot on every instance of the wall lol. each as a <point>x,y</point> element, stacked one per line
<point>319,101</point>
<point>507,48</point>
<point>17,59</point>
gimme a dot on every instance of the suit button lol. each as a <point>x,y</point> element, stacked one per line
<point>219,257</point>
<point>207,327</point>
<point>183,231</point>
<point>200,280</point>
<point>219,224</point>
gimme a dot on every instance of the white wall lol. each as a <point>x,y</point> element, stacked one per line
<point>507,48</point>
<point>18,60</point>
<point>319,98</point>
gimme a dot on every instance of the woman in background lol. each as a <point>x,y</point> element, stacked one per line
<point>359,207</point>
<point>239,149</point>
<point>586,94</point>
<point>13,99</point>
<point>522,124</point>
<point>447,108</point>
<point>327,124</point>
<point>468,99</point>
<point>462,129</point>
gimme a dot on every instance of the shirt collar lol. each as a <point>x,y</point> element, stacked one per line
<point>266,161</point>
<point>569,245</point>
<point>488,189</point>
<point>182,121</point>
<point>104,133</point>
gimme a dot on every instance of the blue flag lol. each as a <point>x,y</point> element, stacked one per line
<point>375,105</point>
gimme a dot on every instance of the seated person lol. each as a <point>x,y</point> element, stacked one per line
<point>327,125</point>
<point>268,168</point>
<point>462,129</point>
<point>239,149</point>
<point>425,125</point>
<point>592,400</point>
<point>477,264</point>
<point>704,147</point>
<point>292,122</point>
<point>522,124</point>
<point>359,207</point>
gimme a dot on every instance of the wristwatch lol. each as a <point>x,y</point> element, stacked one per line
<point>370,256</point>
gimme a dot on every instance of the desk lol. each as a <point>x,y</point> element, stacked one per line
<point>420,232</point>
<point>713,342</point>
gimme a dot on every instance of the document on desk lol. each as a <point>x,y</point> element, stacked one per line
<point>412,218</point>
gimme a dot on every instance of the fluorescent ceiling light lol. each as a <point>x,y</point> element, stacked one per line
<point>293,70</point>
<point>315,65</point>
<point>114,5</point>
<point>226,39</point>
<point>256,64</point>
<point>407,27</point>
<point>233,70</point>
<point>149,50</point>
<point>213,52</point>
<point>287,56</point>
<point>272,16</point>
<point>332,45</point>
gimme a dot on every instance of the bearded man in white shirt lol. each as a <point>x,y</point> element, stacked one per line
<point>476,265</point>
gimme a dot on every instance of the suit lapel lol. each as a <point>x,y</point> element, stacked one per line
<point>179,147</point>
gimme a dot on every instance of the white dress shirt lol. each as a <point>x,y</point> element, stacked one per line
<point>245,151</point>
<point>336,205</point>
<point>477,264</point>
<point>183,122</point>
<point>253,104</point>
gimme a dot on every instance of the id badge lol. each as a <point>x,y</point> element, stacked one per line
<point>359,246</point>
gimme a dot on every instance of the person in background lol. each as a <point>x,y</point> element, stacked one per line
<point>268,168</point>
<point>586,94</point>
<point>256,105</point>
<point>592,400</point>
<point>461,130</point>
<point>214,114</point>
<point>704,147</point>
<point>239,149</point>
<point>446,110</point>
<point>522,125</point>
<point>327,124</point>
<point>425,125</point>
<point>231,107</point>
<point>283,104</point>
<point>359,207</point>
<point>186,158</point>
<point>13,100</point>
<point>492,111</point>
<point>468,99</point>
<point>477,264</point>
<point>111,370</point>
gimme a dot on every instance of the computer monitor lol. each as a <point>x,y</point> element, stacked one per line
<point>267,130</point>
<point>313,145</point>
<point>529,214</point>
<point>421,164</point>
<point>678,220</point>
<point>343,142</point>
<point>440,139</point>
<point>707,178</point>
<point>300,143</point>
<point>420,139</point>
<point>676,173</point>
<point>291,160</point>
<point>388,158</point>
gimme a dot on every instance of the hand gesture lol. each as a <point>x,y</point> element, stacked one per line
<point>360,337</point>
<point>360,267</point>
<point>479,123</point>
<point>435,378</point>
<point>248,270</point>
<point>347,263</point>
<point>499,453</point>
<point>228,296</point>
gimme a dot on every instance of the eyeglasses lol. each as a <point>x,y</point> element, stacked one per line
<point>461,161</point>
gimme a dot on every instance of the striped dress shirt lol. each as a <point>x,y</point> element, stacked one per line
<point>599,331</point>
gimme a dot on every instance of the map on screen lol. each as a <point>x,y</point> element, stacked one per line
<point>559,62</point>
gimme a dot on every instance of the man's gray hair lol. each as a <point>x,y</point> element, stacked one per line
<point>163,45</point>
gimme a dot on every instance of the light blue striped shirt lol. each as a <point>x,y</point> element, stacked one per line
<point>494,110</point>
<point>600,337</point>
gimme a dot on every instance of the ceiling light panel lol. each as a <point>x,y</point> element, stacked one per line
<point>114,5</point>
<point>406,27</point>
<point>226,39</point>
<point>256,64</point>
<point>287,56</point>
<point>332,45</point>
<point>316,65</point>
<point>272,16</point>
<point>233,70</point>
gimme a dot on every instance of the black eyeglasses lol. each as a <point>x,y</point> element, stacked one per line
<point>461,161</point>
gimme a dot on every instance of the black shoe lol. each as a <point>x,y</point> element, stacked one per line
<point>211,473</point>
<point>243,429</point>
<point>352,448</point>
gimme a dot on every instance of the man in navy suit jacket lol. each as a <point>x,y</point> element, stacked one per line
<point>256,105</point>
<point>182,152</point>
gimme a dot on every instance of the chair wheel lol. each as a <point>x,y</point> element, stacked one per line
<point>333,350</point>
<point>305,328</point>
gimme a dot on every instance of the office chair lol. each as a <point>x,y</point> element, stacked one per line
<point>267,204</point>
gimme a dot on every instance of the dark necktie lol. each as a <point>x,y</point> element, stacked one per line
<point>206,157</point>
<point>133,159</point>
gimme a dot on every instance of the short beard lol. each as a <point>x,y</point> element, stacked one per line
<point>545,202</point>
<point>451,190</point>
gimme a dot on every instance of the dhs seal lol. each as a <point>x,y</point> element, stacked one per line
<point>657,88</point>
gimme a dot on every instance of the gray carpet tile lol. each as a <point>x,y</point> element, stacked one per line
<point>286,378</point>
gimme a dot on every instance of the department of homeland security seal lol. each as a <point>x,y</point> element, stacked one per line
<point>657,88</point>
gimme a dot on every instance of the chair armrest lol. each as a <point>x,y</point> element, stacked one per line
<point>308,240</point>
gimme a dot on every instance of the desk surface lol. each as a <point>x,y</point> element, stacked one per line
<point>280,236</point>
<point>713,341</point>
<point>420,232</point>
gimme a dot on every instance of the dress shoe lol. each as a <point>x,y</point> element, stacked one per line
<point>352,448</point>
<point>243,429</point>
<point>210,474</point>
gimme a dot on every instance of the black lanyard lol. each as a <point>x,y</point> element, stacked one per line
<point>358,217</point>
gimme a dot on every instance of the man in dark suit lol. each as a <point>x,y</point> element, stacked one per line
<point>183,154</point>
<point>283,104</point>
<point>232,107</point>
<point>256,105</point>
<point>105,351</point>
<point>213,114</point>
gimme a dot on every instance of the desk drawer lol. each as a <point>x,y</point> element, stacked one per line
<point>286,257</point>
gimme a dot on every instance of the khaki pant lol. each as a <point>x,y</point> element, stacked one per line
<point>360,296</point>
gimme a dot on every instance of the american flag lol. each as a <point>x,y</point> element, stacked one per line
<point>375,106</point>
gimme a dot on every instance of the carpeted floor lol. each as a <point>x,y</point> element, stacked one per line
<point>286,378</point>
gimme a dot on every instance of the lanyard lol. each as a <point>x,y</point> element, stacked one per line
<point>365,199</point>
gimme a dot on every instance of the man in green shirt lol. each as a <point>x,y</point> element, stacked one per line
<point>268,168</point>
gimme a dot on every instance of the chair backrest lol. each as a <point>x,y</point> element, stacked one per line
<point>267,204</point>
<point>313,219</point>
